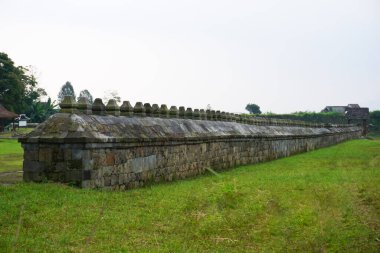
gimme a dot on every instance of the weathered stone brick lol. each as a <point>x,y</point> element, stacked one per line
<point>128,152</point>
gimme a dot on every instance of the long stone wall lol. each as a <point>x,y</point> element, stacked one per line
<point>96,146</point>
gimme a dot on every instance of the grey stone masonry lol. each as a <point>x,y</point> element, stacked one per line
<point>84,105</point>
<point>189,113</point>
<point>98,108</point>
<point>139,110</point>
<point>155,110</point>
<point>96,151</point>
<point>148,110</point>
<point>126,109</point>
<point>119,148</point>
<point>181,112</point>
<point>173,112</point>
<point>112,108</point>
<point>164,112</point>
<point>68,105</point>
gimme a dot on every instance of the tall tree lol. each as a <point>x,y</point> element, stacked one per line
<point>18,85</point>
<point>66,90</point>
<point>86,94</point>
<point>253,108</point>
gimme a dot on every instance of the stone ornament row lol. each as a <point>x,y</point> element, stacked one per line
<point>69,105</point>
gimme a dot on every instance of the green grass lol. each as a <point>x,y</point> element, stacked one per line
<point>323,201</point>
<point>11,155</point>
<point>374,135</point>
<point>19,131</point>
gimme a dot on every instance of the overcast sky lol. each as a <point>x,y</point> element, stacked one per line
<point>285,56</point>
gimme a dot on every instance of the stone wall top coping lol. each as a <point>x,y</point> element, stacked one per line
<point>69,105</point>
<point>82,128</point>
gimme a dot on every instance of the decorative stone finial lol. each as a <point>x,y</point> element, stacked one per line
<point>112,108</point>
<point>189,113</point>
<point>228,117</point>
<point>203,114</point>
<point>173,112</point>
<point>208,114</point>
<point>126,109</point>
<point>196,114</point>
<point>218,116</point>
<point>98,108</point>
<point>68,105</point>
<point>164,112</point>
<point>223,116</point>
<point>213,115</point>
<point>232,117</point>
<point>84,105</point>
<point>148,110</point>
<point>139,110</point>
<point>155,110</point>
<point>181,112</point>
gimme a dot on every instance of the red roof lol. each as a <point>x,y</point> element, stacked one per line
<point>5,114</point>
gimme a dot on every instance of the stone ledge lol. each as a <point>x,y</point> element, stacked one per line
<point>74,128</point>
<point>172,140</point>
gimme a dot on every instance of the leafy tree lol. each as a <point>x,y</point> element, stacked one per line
<point>40,111</point>
<point>253,108</point>
<point>86,94</point>
<point>374,120</point>
<point>18,86</point>
<point>66,90</point>
<point>375,115</point>
<point>12,84</point>
<point>111,94</point>
<point>316,117</point>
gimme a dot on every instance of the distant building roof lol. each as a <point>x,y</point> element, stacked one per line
<point>357,113</point>
<point>340,108</point>
<point>334,108</point>
<point>5,114</point>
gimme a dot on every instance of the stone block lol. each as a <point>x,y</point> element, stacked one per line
<point>107,181</point>
<point>31,155</point>
<point>76,154</point>
<point>114,179</point>
<point>74,164</point>
<point>45,155</point>
<point>86,175</point>
<point>33,166</point>
<point>110,159</point>
<point>31,176</point>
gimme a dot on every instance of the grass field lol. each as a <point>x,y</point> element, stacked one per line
<point>323,201</point>
<point>19,131</point>
<point>11,155</point>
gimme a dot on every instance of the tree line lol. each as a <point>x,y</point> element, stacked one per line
<point>20,93</point>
